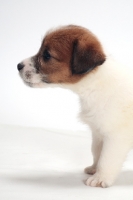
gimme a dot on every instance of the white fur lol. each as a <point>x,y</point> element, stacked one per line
<point>106,97</point>
<point>28,73</point>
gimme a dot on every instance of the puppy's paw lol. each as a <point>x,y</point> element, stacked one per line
<point>98,181</point>
<point>90,170</point>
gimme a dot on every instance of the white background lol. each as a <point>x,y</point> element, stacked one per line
<point>44,163</point>
<point>22,27</point>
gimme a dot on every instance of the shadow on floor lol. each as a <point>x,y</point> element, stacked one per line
<point>63,179</point>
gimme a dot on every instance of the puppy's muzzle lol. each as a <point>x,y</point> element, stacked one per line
<point>20,66</point>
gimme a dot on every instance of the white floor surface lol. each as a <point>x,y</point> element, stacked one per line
<point>40,164</point>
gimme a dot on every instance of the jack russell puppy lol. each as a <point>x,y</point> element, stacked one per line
<point>73,57</point>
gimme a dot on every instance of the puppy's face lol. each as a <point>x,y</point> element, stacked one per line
<point>65,56</point>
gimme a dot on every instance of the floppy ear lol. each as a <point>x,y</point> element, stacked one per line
<point>85,57</point>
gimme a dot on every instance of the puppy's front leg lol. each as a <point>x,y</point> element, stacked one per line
<point>96,151</point>
<point>110,162</point>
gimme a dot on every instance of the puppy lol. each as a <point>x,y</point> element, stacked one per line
<point>74,58</point>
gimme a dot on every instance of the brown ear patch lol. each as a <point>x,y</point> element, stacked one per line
<point>86,57</point>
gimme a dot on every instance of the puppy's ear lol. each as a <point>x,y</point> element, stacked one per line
<point>85,57</point>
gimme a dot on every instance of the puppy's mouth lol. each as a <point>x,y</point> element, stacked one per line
<point>33,80</point>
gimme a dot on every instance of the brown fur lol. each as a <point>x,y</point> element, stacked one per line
<point>74,51</point>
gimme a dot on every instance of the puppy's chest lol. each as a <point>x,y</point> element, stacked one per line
<point>93,107</point>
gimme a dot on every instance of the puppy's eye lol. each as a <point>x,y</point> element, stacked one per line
<point>46,55</point>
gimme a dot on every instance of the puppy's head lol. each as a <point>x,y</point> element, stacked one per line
<point>65,56</point>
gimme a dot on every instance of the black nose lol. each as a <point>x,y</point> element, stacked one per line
<point>20,66</point>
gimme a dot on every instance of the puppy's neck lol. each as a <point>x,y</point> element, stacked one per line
<point>88,83</point>
<point>96,80</point>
